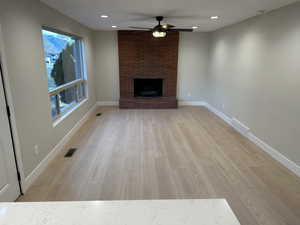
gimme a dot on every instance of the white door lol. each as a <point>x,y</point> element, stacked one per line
<point>9,187</point>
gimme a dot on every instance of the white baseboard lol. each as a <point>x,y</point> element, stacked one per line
<point>108,103</point>
<point>29,180</point>
<point>240,127</point>
<point>292,166</point>
<point>246,132</point>
<point>219,114</point>
<point>192,103</point>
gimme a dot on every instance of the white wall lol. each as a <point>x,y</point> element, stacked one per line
<point>192,66</point>
<point>21,23</point>
<point>106,65</point>
<point>255,74</point>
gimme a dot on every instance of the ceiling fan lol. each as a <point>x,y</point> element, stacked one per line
<point>160,31</point>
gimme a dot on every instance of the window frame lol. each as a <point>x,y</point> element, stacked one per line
<point>72,84</point>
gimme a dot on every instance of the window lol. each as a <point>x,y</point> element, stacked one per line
<point>65,71</point>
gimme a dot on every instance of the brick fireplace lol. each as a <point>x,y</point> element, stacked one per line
<point>148,70</point>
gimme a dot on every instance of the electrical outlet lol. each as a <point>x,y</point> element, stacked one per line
<point>36,150</point>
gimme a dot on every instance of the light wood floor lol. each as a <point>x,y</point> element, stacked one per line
<point>171,154</point>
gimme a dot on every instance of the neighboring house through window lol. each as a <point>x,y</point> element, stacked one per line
<point>65,71</point>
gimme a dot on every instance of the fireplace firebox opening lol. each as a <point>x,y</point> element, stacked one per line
<point>148,87</point>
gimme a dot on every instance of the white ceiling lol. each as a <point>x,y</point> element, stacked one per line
<point>182,13</point>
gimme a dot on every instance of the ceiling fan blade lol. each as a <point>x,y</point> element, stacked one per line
<point>168,26</point>
<point>140,28</point>
<point>182,30</point>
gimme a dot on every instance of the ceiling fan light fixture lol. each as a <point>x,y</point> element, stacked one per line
<point>159,34</point>
<point>214,17</point>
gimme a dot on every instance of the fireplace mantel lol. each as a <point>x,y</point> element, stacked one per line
<point>142,56</point>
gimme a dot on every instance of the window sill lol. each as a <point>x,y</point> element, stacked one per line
<point>57,121</point>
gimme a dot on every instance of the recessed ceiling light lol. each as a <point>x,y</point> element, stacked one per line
<point>113,26</point>
<point>104,16</point>
<point>214,17</point>
<point>194,27</point>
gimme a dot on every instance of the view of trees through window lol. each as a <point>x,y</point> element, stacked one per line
<point>63,58</point>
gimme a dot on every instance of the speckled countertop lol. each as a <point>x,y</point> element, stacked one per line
<point>141,212</point>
